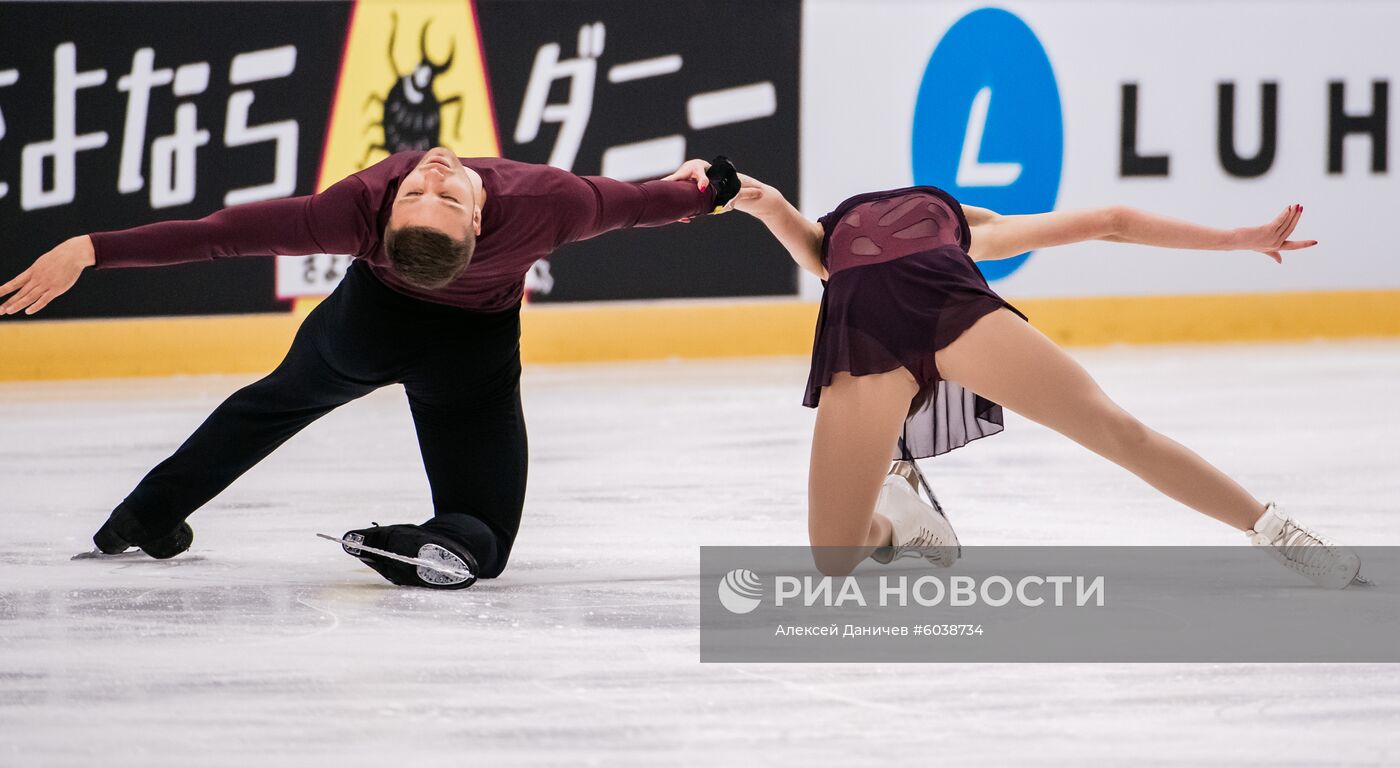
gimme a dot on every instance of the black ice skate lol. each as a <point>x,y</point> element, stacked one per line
<point>123,531</point>
<point>410,556</point>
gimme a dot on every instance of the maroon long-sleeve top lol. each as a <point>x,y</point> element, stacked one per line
<point>529,211</point>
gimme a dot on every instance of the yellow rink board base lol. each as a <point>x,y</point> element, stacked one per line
<point>688,329</point>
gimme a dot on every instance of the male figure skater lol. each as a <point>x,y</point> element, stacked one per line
<point>441,247</point>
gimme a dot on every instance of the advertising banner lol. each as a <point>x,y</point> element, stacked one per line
<point>114,115</point>
<point>1203,111</point>
<point>631,90</point>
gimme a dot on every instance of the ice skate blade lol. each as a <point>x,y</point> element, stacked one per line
<point>445,569</point>
<point>437,566</point>
<point>98,554</point>
<point>941,557</point>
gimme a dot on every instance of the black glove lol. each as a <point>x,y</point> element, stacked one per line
<point>724,180</point>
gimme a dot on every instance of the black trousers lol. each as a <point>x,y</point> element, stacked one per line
<point>461,370</point>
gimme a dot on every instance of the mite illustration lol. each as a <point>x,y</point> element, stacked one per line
<point>412,112</point>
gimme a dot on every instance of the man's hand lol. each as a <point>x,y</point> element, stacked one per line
<point>49,277</point>
<point>1272,238</point>
<point>692,170</point>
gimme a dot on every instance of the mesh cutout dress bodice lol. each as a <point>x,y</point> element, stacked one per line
<point>900,287</point>
<point>885,229</point>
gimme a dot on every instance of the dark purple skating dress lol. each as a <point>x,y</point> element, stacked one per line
<point>900,287</point>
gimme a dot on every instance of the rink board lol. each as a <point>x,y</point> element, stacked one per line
<point>698,329</point>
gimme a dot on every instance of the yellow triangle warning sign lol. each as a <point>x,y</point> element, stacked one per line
<point>413,76</point>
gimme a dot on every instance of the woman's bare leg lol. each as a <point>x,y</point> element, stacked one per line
<point>858,423</point>
<point>1003,358</point>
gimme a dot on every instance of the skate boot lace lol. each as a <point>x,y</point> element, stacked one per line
<point>923,540</point>
<point>1303,547</point>
<point>926,544</point>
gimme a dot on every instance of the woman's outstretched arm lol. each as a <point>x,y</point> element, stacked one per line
<point>1000,237</point>
<point>801,236</point>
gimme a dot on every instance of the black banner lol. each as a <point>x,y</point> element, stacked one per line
<point>120,114</point>
<point>114,115</point>
<point>625,89</point>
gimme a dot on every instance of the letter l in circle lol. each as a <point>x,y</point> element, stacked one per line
<point>971,171</point>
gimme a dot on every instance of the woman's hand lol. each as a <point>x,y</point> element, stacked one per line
<point>757,199</point>
<point>49,277</point>
<point>1272,238</point>
<point>692,170</point>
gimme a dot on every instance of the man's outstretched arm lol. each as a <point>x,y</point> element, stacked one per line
<point>338,220</point>
<point>601,204</point>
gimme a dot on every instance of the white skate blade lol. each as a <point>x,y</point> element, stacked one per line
<point>98,554</point>
<point>436,566</point>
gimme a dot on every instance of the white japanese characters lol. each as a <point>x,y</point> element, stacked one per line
<point>166,166</point>
<point>633,161</point>
<point>255,67</point>
<point>572,115</point>
<point>8,77</point>
<point>61,150</point>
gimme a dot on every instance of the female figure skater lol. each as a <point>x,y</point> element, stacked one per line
<point>914,352</point>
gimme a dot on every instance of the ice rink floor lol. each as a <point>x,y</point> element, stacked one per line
<point>266,646</point>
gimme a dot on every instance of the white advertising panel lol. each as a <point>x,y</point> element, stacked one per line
<point>1218,112</point>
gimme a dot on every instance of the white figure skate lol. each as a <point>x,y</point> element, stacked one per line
<point>920,529</point>
<point>1323,562</point>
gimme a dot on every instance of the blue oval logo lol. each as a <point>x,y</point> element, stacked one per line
<point>987,123</point>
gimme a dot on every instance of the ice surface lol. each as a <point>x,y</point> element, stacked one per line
<point>266,646</point>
